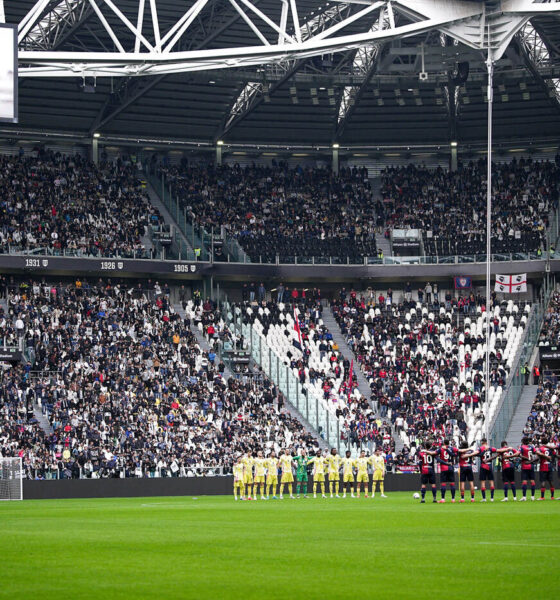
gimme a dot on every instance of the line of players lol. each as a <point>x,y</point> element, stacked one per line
<point>259,474</point>
<point>528,454</point>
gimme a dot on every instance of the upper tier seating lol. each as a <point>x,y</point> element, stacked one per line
<point>278,211</point>
<point>450,208</point>
<point>66,205</point>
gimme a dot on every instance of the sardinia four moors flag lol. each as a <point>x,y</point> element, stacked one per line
<point>511,284</point>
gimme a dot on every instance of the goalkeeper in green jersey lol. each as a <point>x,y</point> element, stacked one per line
<point>301,461</point>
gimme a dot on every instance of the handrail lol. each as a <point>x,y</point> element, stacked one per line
<point>187,256</point>
<point>230,241</point>
<point>317,416</point>
<point>510,398</point>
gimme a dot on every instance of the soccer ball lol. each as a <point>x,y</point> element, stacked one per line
<point>416,495</point>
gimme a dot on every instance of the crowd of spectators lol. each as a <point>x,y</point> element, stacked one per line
<point>20,433</point>
<point>550,332</point>
<point>275,211</point>
<point>127,389</point>
<point>449,207</point>
<point>67,205</point>
<point>321,368</point>
<point>544,418</point>
<point>424,361</point>
<point>278,211</point>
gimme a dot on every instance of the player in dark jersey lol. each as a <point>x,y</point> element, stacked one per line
<point>486,454</point>
<point>466,456</point>
<point>546,458</point>
<point>427,470</point>
<point>507,454</point>
<point>445,457</point>
<point>528,458</point>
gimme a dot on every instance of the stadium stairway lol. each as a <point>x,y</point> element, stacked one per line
<point>146,241</point>
<point>42,419</point>
<point>520,415</point>
<point>383,244</point>
<point>156,201</point>
<point>346,351</point>
<point>202,341</point>
<point>363,385</point>
<point>294,412</point>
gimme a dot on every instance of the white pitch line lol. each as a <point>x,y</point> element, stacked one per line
<point>517,544</point>
<point>167,504</point>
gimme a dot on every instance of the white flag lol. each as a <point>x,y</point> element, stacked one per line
<point>511,284</point>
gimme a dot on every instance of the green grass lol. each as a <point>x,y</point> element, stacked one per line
<point>211,547</point>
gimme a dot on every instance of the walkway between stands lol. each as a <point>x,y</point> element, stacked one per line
<point>338,337</point>
<point>42,420</point>
<point>156,201</point>
<point>519,419</point>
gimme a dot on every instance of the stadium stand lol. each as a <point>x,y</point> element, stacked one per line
<point>322,371</point>
<point>425,359</point>
<point>65,205</point>
<point>550,332</point>
<point>287,213</point>
<point>448,207</point>
<point>127,389</point>
<point>277,211</point>
<point>544,417</point>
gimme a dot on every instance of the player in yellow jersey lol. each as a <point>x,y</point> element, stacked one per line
<point>238,483</point>
<point>378,462</point>
<point>362,479</point>
<point>318,463</point>
<point>287,475</point>
<point>272,474</point>
<point>260,471</point>
<point>347,474</point>
<point>333,462</point>
<point>248,462</point>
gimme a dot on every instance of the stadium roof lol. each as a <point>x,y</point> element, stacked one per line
<point>364,97</point>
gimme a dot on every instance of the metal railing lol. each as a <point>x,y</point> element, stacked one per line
<point>514,388</point>
<point>157,254</point>
<point>54,472</point>
<point>184,251</point>
<point>234,251</point>
<point>313,410</point>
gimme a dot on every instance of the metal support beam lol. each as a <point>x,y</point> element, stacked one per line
<point>454,157</point>
<point>335,159</point>
<point>254,101</point>
<point>535,53</point>
<point>253,93</point>
<point>139,88</point>
<point>95,150</point>
<point>135,88</point>
<point>366,60</point>
<point>57,23</point>
<point>472,23</point>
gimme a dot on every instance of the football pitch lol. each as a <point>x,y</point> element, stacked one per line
<point>213,547</point>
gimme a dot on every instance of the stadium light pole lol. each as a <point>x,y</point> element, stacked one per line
<point>490,94</point>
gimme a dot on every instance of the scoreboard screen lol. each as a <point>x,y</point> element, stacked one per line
<point>8,74</point>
